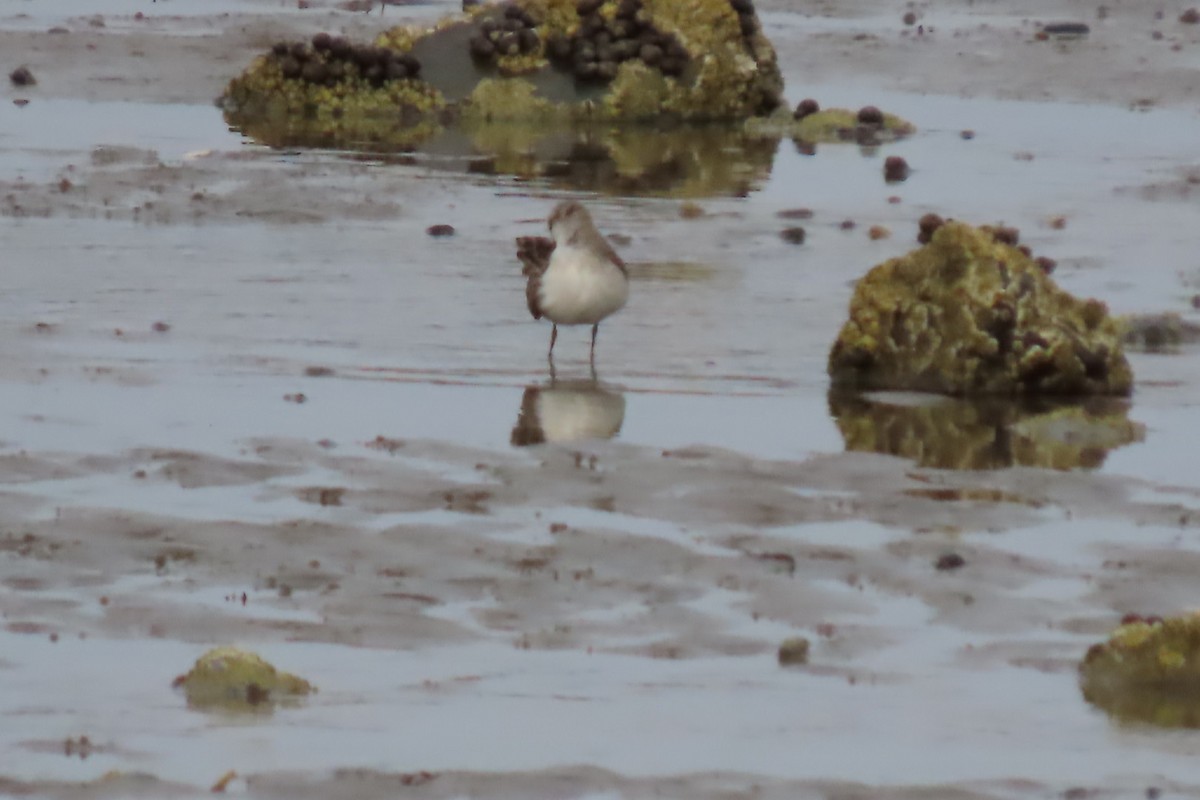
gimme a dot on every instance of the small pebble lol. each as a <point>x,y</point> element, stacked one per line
<point>1190,17</point>
<point>949,561</point>
<point>160,327</point>
<point>806,107</point>
<point>870,115</point>
<point>21,76</point>
<point>793,651</point>
<point>440,230</point>
<point>848,225</point>
<point>795,213</point>
<point>967,135</point>
<point>895,169</point>
<point>877,232</point>
<point>794,235</point>
<point>910,18</point>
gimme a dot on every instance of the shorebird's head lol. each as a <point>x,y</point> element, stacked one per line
<point>568,219</point>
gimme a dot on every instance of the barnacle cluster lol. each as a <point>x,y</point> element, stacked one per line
<point>971,313</point>
<point>1147,671</point>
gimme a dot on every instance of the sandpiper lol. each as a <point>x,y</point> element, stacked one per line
<point>574,278</point>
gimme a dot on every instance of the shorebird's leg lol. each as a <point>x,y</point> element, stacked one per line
<point>553,339</point>
<point>595,328</point>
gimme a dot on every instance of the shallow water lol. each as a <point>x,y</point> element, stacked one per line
<point>430,588</point>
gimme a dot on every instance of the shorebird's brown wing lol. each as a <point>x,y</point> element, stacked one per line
<point>534,255</point>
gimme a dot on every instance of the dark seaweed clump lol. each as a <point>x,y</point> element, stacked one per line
<point>329,60</point>
<point>595,51</point>
<point>511,34</point>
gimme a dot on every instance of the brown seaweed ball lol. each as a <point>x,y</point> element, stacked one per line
<point>396,71</point>
<point>322,41</point>
<point>870,115</point>
<point>626,49</point>
<point>314,72</point>
<point>1045,264</point>
<point>606,70</point>
<point>927,225</point>
<point>290,67</point>
<point>652,54</point>
<point>806,107</point>
<point>300,52</point>
<point>591,25</point>
<point>528,40</point>
<point>410,63</point>
<point>742,6</point>
<point>584,51</point>
<point>1190,17</point>
<point>585,7</point>
<point>586,70</point>
<point>675,49</point>
<point>481,48</point>
<point>340,47</point>
<point>489,26</point>
<point>671,66</point>
<point>1006,235</point>
<point>335,71</point>
<point>627,9</point>
<point>508,44</point>
<point>895,169</point>
<point>910,18</point>
<point>558,48</point>
<point>514,11</point>
<point>748,23</point>
<point>374,75</point>
<point>281,48</point>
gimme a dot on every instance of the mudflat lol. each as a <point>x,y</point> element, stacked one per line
<point>249,400</point>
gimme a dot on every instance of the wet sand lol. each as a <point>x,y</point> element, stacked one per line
<point>248,400</point>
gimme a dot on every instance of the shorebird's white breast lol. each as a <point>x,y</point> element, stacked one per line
<point>580,287</point>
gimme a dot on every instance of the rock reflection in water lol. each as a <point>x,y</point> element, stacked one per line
<point>630,159</point>
<point>990,433</point>
<point>568,411</point>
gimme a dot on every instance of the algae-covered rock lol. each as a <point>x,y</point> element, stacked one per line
<point>867,126</point>
<point>331,88</point>
<point>1148,671</point>
<point>233,679</point>
<point>986,433</point>
<point>971,313</point>
<point>632,59</point>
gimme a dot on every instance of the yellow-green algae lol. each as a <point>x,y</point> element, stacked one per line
<point>263,104</point>
<point>987,433</point>
<point>729,76</point>
<point>967,314</point>
<point>233,679</point>
<point>1148,671</point>
<point>830,125</point>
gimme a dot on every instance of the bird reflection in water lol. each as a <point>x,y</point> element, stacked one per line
<point>568,411</point>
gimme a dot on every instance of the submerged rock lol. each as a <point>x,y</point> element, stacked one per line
<point>1148,671</point>
<point>970,313</point>
<point>233,679</point>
